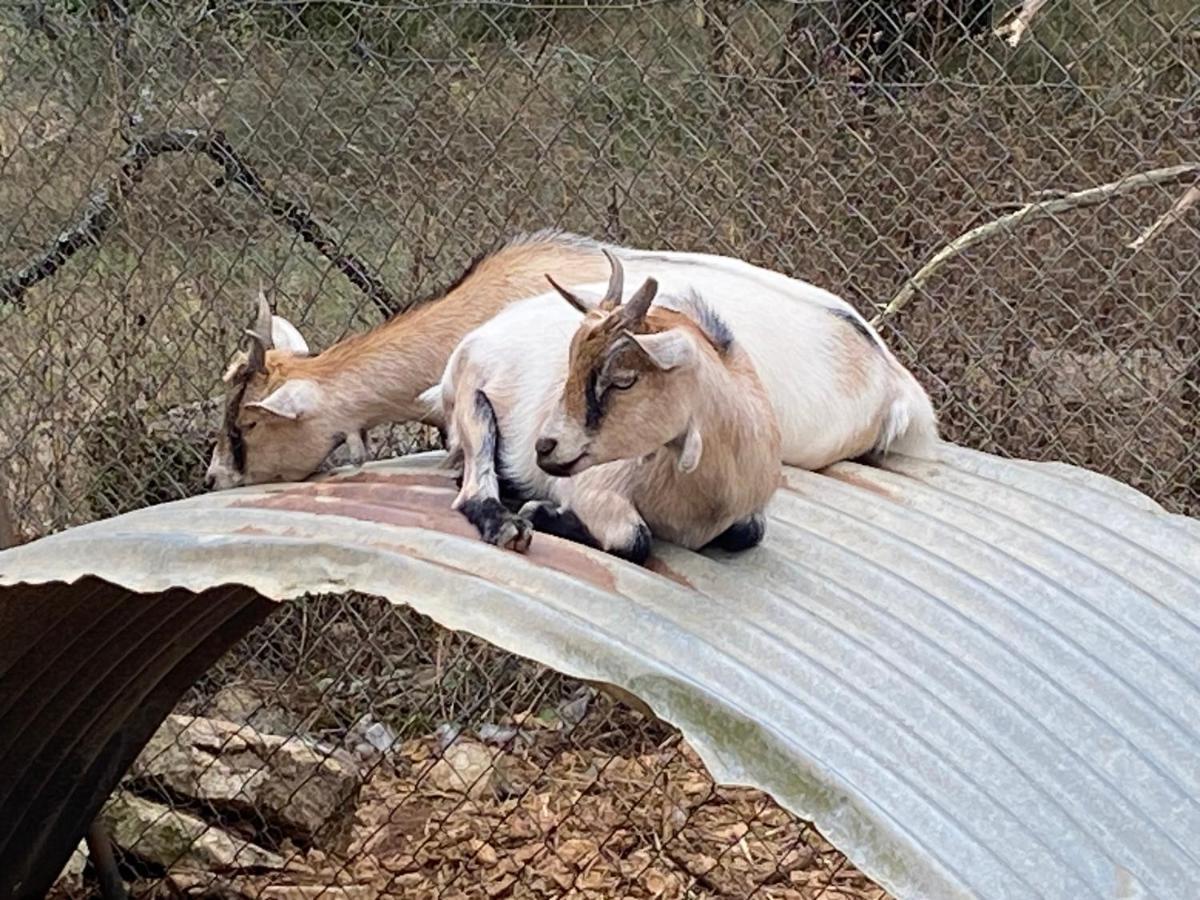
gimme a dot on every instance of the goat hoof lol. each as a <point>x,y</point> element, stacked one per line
<point>515,534</point>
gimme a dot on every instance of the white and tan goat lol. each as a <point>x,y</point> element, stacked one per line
<point>837,391</point>
<point>632,423</point>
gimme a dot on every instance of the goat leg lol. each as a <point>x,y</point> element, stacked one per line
<point>550,518</point>
<point>479,498</point>
<point>741,535</point>
<point>597,518</point>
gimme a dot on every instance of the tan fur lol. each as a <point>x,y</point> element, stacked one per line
<point>855,355</point>
<point>720,394</point>
<point>637,421</point>
<point>411,350</point>
<point>375,377</point>
<point>739,468</point>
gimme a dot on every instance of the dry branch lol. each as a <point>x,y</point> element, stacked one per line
<point>8,526</point>
<point>1014,30</point>
<point>1031,212</point>
<point>103,205</point>
<point>1189,199</point>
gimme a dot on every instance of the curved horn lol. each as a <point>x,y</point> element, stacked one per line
<point>574,299</point>
<point>616,284</point>
<point>260,335</point>
<point>639,304</point>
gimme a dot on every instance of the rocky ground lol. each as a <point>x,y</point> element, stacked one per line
<point>525,808</point>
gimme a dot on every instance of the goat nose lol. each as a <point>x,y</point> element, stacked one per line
<point>545,446</point>
<point>210,481</point>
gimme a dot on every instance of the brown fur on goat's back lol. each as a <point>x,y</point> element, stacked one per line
<point>419,340</point>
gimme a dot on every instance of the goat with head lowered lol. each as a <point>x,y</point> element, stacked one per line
<point>286,409</point>
<point>265,406</point>
<point>642,422</point>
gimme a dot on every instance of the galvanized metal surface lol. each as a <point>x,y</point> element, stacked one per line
<point>979,678</point>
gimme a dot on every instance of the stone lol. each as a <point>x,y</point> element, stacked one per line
<point>171,838</point>
<point>466,767</point>
<point>1133,377</point>
<point>369,739</point>
<point>244,705</point>
<point>71,877</point>
<point>283,782</point>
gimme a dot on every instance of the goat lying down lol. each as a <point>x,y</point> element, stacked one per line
<point>838,392</point>
<point>630,422</point>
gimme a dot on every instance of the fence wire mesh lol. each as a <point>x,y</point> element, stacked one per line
<point>158,161</point>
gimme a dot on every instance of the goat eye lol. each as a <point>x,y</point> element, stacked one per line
<point>622,380</point>
<point>249,426</point>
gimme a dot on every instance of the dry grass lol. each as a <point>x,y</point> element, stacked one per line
<point>1052,343</point>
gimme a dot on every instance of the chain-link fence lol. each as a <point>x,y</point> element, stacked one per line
<point>158,161</point>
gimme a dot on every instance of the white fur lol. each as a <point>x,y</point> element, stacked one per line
<point>785,326</point>
<point>521,364</point>
<point>286,336</point>
<point>524,357</point>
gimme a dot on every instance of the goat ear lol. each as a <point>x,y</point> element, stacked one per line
<point>285,336</point>
<point>294,399</point>
<point>690,449</point>
<point>574,299</point>
<point>666,349</point>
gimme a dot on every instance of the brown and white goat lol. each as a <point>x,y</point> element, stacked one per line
<point>286,410</point>
<point>838,392</point>
<point>641,422</point>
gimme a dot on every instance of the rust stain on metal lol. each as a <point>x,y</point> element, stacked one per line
<point>659,567</point>
<point>421,479</point>
<point>404,515</point>
<point>571,559</point>
<point>852,478</point>
<point>387,503</point>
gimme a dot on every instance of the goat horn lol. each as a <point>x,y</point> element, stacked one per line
<point>263,326</point>
<point>260,335</point>
<point>639,304</point>
<point>573,299</point>
<point>616,284</point>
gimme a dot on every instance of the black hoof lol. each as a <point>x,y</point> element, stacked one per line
<point>741,535</point>
<point>637,550</point>
<point>497,525</point>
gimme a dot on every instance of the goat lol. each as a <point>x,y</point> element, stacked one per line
<point>643,422</point>
<point>286,409</point>
<point>837,390</point>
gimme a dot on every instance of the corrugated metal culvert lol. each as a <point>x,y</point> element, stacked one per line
<point>979,678</point>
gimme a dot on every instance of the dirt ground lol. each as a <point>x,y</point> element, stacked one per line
<point>573,823</point>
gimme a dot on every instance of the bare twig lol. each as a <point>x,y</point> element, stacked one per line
<point>1013,30</point>
<point>103,205</point>
<point>1031,212</point>
<point>8,525</point>
<point>100,850</point>
<point>1189,199</point>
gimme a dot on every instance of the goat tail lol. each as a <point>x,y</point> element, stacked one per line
<point>431,399</point>
<point>434,402</point>
<point>910,425</point>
